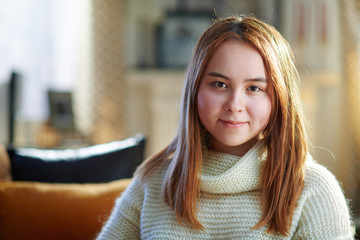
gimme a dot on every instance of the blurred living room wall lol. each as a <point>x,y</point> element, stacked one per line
<point>120,66</point>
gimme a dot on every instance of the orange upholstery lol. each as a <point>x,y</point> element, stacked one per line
<point>33,210</point>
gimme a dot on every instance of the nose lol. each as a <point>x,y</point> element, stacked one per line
<point>235,102</point>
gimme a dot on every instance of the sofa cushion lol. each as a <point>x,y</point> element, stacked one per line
<point>94,164</point>
<point>31,210</point>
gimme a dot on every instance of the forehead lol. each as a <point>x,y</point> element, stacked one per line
<point>237,58</point>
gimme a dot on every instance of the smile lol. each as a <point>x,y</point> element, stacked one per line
<point>233,124</point>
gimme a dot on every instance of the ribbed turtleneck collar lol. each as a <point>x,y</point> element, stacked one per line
<point>224,173</point>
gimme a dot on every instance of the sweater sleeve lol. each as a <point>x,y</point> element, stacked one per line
<point>124,220</point>
<point>325,213</point>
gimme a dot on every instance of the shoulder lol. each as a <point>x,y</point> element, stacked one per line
<point>321,184</point>
<point>140,186</point>
<point>323,208</point>
<point>322,187</point>
<point>319,179</point>
<point>133,195</point>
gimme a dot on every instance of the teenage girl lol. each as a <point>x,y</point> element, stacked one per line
<point>239,166</point>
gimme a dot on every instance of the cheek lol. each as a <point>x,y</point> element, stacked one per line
<point>207,105</point>
<point>204,102</point>
<point>261,110</point>
<point>202,105</point>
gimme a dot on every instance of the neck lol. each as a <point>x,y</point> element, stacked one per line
<point>238,150</point>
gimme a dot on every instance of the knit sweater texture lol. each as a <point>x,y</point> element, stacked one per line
<point>230,204</point>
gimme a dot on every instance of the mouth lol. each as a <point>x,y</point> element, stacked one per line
<point>233,124</point>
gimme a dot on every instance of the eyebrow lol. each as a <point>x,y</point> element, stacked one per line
<point>216,74</point>
<point>258,79</point>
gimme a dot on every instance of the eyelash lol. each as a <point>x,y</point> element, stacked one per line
<point>252,87</point>
<point>219,84</point>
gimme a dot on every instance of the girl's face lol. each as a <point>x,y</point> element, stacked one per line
<point>233,100</point>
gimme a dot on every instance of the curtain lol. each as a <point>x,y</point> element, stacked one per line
<point>350,11</point>
<point>64,45</point>
<point>38,40</point>
<point>99,94</point>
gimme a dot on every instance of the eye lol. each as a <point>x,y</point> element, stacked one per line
<point>254,89</point>
<point>219,84</point>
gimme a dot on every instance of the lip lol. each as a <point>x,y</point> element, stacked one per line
<point>233,124</point>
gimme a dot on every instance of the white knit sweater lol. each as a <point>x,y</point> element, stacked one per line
<point>230,205</point>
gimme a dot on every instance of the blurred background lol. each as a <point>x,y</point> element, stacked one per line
<point>77,73</point>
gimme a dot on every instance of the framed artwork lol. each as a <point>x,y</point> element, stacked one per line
<point>61,111</point>
<point>177,37</point>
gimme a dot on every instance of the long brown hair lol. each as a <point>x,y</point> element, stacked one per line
<point>285,135</point>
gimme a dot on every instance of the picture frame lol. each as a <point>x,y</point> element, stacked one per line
<point>61,111</point>
<point>177,37</point>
